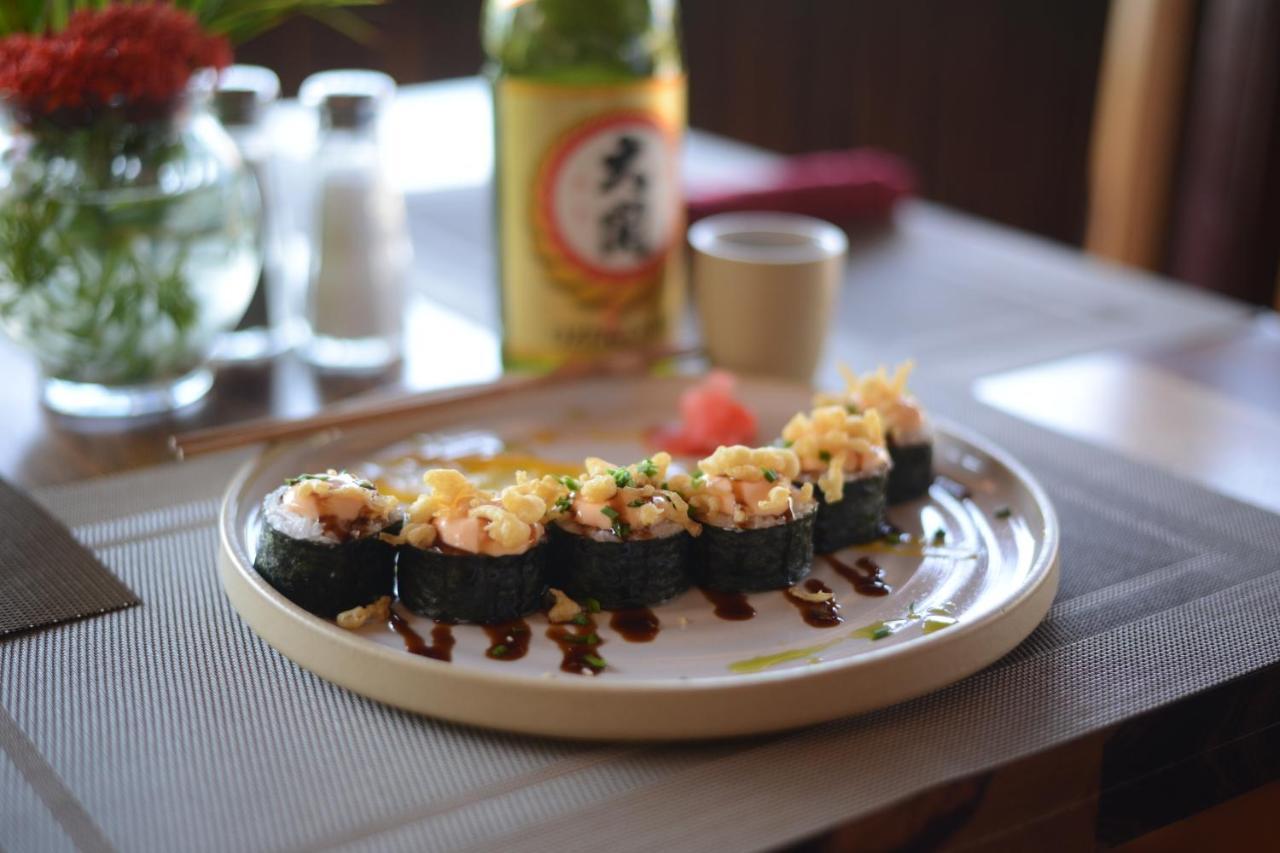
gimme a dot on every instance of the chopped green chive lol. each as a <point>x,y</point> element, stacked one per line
<point>770,475</point>
<point>563,504</point>
<point>1003,512</point>
<point>698,474</point>
<point>637,502</point>
<point>851,408</point>
<point>786,442</point>
<point>570,483</point>
<point>647,468</point>
<point>594,662</point>
<point>824,455</point>
<point>939,537</point>
<point>621,529</point>
<point>498,651</point>
<point>663,486</point>
<point>583,639</point>
<point>610,513</point>
<point>621,476</point>
<point>580,619</point>
<point>593,605</point>
<point>881,632</point>
<point>293,481</point>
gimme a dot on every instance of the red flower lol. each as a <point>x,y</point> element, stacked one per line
<point>135,57</point>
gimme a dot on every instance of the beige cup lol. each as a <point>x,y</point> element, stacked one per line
<point>765,287</point>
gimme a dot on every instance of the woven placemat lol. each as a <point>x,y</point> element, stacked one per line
<point>46,576</point>
<point>172,726</point>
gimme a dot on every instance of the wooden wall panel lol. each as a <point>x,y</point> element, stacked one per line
<point>1226,233</point>
<point>991,99</point>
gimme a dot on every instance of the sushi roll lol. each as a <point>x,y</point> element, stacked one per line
<point>907,430</point>
<point>623,537</point>
<point>757,524</point>
<point>321,543</point>
<point>844,455</point>
<point>470,555</point>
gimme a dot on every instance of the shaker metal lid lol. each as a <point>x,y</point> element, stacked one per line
<point>348,98</point>
<point>242,93</point>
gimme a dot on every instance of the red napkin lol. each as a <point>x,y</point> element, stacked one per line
<point>858,185</point>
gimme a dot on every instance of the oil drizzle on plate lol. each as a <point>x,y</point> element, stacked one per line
<point>579,644</point>
<point>730,606</point>
<point>818,614</point>
<point>508,641</point>
<point>759,664</point>
<point>932,619</point>
<point>441,646</point>
<point>864,573</point>
<point>635,624</point>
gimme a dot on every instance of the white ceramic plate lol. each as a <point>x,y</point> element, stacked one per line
<point>702,676</point>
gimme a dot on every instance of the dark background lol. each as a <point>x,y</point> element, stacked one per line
<point>991,100</point>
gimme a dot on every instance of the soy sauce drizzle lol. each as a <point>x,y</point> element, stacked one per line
<point>441,646</point>
<point>580,645</point>
<point>819,614</point>
<point>730,606</point>
<point>508,641</point>
<point>865,574</point>
<point>635,624</point>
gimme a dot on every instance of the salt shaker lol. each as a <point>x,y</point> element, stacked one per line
<point>360,250</point>
<point>243,96</point>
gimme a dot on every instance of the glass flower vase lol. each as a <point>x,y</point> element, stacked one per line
<point>126,248</point>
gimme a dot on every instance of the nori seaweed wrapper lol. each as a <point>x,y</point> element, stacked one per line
<point>631,573</point>
<point>912,471</point>
<point>457,586</point>
<point>732,559</point>
<point>854,519</point>
<point>326,578</point>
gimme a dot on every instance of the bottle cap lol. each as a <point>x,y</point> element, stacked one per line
<point>348,99</point>
<point>243,92</point>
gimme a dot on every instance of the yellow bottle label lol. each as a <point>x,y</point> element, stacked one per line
<point>591,216</point>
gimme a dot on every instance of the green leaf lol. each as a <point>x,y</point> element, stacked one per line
<point>594,662</point>
<point>770,475</point>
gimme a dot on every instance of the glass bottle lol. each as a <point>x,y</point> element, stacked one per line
<point>589,112</point>
<point>360,250</point>
<point>244,95</point>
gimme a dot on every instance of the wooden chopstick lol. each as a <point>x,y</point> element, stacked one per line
<point>208,440</point>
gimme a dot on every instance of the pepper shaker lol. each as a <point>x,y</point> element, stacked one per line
<point>243,97</point>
